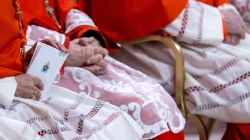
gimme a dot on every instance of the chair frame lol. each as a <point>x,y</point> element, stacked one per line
<point>204,130</point>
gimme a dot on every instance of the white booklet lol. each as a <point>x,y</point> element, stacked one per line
<point>45,64</point>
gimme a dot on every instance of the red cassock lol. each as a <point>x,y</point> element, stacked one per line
<point>131,19</point>
<point>11,63</point>
<point>34,12</point>
<point>215,3</point>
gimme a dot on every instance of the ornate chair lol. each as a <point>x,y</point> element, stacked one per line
<point>203,129</point>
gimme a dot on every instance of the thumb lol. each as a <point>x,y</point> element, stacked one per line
<point>242,34</point>
<point>83,42</point>
<point>29,54</point>
<point>37,82</point>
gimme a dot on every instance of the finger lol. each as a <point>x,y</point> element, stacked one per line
<point>29,94</point>
<point>36,92</point>
<point>50,43</point>
<point>242,33</point>
<point>93,41</point>
<point>228,41</point>
<point>62,47</point>
<point>30,53</point>
<point>92,69</point>
<point>95,59</point>
<point>234,40</point>
<point>100,50</point>
<point>37,82</point>
<point>75,41</point>
<point>83,41</point>
<point>100,72</point>
<point>103,64</point>
<point>56,45</point>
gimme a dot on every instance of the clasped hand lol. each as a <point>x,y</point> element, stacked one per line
<point>88,54</point>
<point>235,26</point>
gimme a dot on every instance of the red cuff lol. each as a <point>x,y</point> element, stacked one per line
<point>225,31</point>
<point>81,30</point>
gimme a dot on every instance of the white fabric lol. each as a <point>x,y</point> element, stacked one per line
<point>217,77</point>
<point>137,94</point>
<point>76,18</point>
<point>228,6</point>
<point>16,130</point>
<point>141,97</point>
<point>64,114</point>
<point>7,90</point>
<point>197,17</point>
<point>34,32</point>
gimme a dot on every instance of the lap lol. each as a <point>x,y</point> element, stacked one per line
<point>216,80</point>
<point>134,92</point>
<point>64,114</point>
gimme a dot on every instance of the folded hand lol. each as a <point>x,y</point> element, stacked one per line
<point>233,40</point>
<point>86,55</point>
<point>234,23</point>
<point>96,63</point>
<point>28,86</point>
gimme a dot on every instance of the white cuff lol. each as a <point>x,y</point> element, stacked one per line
<point>228,6</point>
<point>7,90</point>
<point>198,24</point>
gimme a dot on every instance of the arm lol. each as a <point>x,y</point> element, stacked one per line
<point>75,23</point>
<point>36,33</point>
<point>199,23</point>
<point>78,24</point>
<point>7,90</point>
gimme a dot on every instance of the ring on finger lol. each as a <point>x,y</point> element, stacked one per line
<point>34,97</point>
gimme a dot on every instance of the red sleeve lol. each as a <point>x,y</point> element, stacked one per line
<point>225,31</point>
<point>85,6</point>
<point>218,3</point>
<point>88,31</point>
<point>224,26</point>
<point>62,7</point>
<point>215,3</point>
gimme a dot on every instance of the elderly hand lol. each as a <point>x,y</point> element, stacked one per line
<point>234,24</point>
<point>233,40</point>
<point>84,55</point>
<point>28,86</point>
<point>96,64</point>
<point>49,42</point>
<point>85,41</point>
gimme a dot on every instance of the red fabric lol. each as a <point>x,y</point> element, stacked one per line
<point>80,30</point>
<point>132,19</point>
<point>215,3</point>
<point>225,31</point>
<point>34,12</point>
<point>237,132</point>
<point>171,136</point>
<point>11,63</point>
